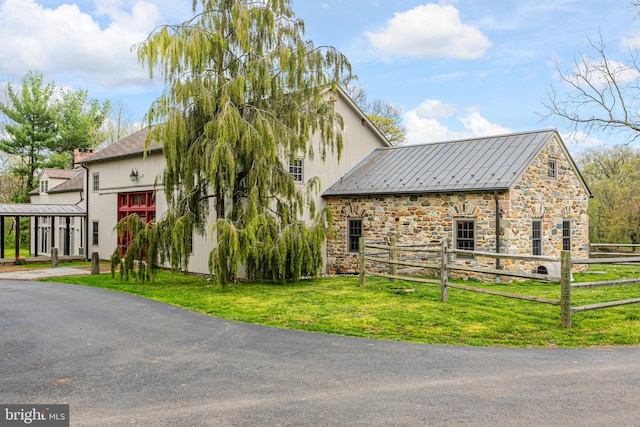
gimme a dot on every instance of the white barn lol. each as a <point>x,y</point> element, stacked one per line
<point>122,179</point>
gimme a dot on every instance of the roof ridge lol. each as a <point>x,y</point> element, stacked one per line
<point>477,138</point>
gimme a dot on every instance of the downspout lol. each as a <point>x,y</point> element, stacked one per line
<point>86,218</point>
<point>495,196</point>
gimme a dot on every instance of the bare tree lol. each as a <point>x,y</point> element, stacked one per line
<point>384,115</point>
<point>602,94</point>
<point>120,124</point>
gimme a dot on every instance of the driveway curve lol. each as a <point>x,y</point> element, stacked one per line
<point>118,360</point>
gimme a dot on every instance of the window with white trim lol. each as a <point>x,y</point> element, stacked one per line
<point>296,169</point>
<point>536,237</point>
<point>553,171</point>
<point>465,235</point>
<point>94,233</point>
<point>44,185</point>
<point>96,181</point>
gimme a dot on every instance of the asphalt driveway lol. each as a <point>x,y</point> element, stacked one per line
<point>121,360</point>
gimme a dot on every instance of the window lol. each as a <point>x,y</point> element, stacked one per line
<point>552,169</point>
<point>566,235</point>
<point>44,185</point>
<point>94,233</point>
<point>536,237</point>
<point>355,233</point>
<point>296,169</point>
<point>465,235</point>
<point>45,231</point>
<point>96,181</point>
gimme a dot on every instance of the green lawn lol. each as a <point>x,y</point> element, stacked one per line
<point>405,311</point>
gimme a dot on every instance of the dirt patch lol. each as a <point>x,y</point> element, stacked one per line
<point>103,267</point>
<point>8,267</point>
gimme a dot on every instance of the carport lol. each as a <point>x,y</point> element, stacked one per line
<point>59,214</point>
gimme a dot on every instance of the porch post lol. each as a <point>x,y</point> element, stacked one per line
<point>53,232</point>
<point>67,236</point>
<point>35,236</point>
<point>17,229</point>
<point>2,233</point>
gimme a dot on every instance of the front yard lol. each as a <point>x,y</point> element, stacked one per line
<point>404,311</point>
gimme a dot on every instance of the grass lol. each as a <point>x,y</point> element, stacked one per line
<point>10,252</point>
<point>405,311</point>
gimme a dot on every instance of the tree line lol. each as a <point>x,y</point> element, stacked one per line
<point>43,124</point>
<point>613,175</point>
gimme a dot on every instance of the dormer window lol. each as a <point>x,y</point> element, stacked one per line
<point>44,185</point>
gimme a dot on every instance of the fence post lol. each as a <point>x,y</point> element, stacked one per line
<point>565,288</point>
<point>55,259</point>
<point>444,272</point>
<point>95,263</point>
<point>361,260</point>
<point>394,257</point>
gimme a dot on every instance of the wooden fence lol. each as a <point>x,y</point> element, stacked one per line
<point>437,257</point>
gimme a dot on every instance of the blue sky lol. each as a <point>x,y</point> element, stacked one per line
<point>456,68</point>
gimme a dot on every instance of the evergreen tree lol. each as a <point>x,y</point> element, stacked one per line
<point>43,129</point>
<point>32,129</point>
<point>244,94</point>
<point>79,126</point>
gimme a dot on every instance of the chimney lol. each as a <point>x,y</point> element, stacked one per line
<point>79,154</point>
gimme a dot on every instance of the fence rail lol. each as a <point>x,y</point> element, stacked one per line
<point>445,266</point>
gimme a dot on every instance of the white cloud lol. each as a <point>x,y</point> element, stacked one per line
<point>579,141</point>
<point>67,40</point>
<point>633,42</point>
<point>429,30</point>
<point>423,124</point>
<point>598,72</point>
<point>476,125</point>
<point>434,108</point>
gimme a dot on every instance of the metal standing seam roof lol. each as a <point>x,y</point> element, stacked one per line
<point>479,164</point>
<point>26,209</point>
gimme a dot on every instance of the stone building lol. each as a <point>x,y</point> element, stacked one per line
<point>518,193</point>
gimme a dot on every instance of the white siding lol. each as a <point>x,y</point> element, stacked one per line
<point>114,179</point>
<point>77,226</point>
<point>359,140</point>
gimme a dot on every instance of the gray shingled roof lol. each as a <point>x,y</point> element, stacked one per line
<point>59,173</point>
<point>479,164</point>
<point>132,145</point>
<point>75,183</point>
<point>73,180</point>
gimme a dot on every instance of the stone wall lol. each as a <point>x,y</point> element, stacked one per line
<point>551,200</point>
<point>429,218</point>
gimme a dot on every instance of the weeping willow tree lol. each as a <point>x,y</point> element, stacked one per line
<point>244,94</point>
<point>139,257</point>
